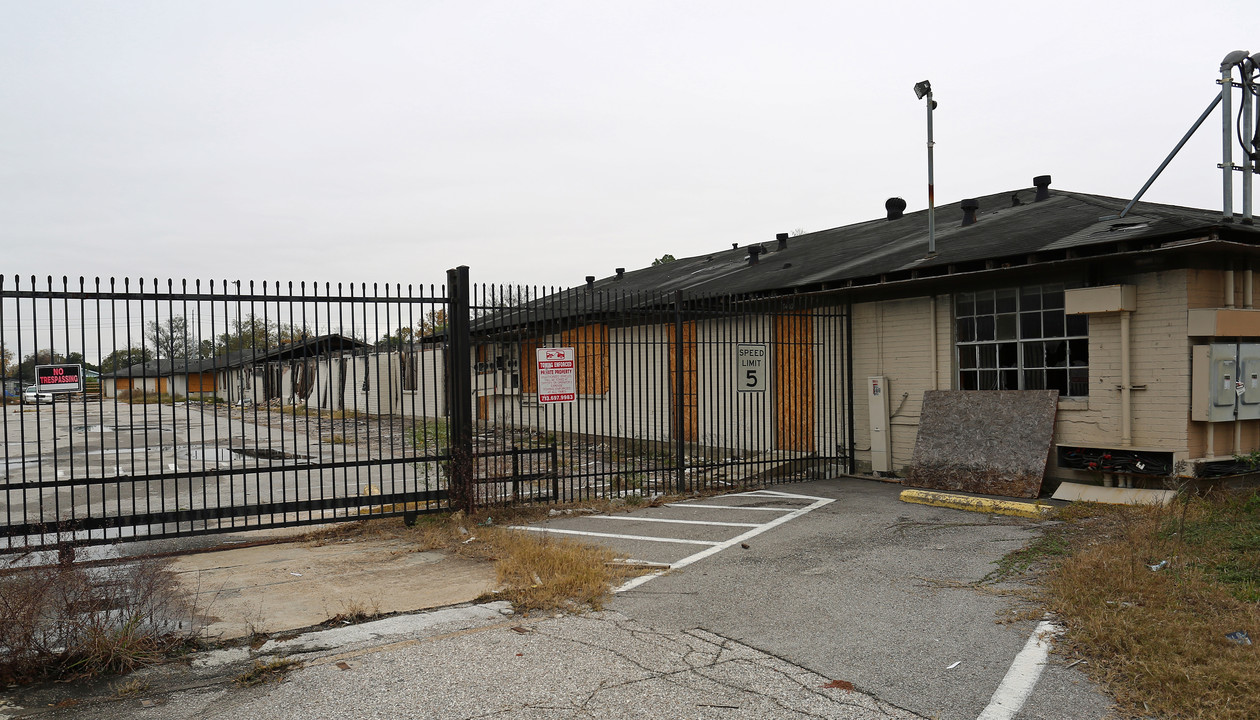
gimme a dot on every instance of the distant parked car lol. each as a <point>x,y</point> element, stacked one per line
<point>33,396</point>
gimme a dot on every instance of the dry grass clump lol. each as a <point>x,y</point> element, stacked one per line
<point>261,672</point>
<point>1156,639</point>
<point>535,572</point>
<point>74,621</point>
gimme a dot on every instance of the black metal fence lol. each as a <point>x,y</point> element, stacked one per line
<point>234,406</point>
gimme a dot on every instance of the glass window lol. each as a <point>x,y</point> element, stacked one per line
<point>1021,339</point>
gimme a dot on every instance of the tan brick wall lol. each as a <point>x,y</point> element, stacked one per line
<point>893,338</point>
<point>1160,360</point>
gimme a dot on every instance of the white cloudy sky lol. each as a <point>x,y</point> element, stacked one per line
<point>544,141</point>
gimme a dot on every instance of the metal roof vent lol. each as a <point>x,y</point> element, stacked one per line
<point>1015,201</point>
<point>896,207</point>
<point>1042,183</point>
<point>782,238</point>
<point>754,254</point>
<point>969,208</point>
<point>590,282</point>
<point>621,273</point>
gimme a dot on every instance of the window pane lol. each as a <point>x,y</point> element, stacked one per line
<point>1010,380</point>
<point>1008,354</point>
<point>1056,353</point>
<point>988,379</point>
<point>984,327</point>
<point>1052,296</point>
<point>966,304</point>
<point>966,357</point>
<point>1006,301</point>
<point>1077,325</point>
<point>967,380</point>
<point>1052,323</point>
<point>1030,298</point>
<point>984,303</point>
<point>1057,380</point>
<point>1078,382</point>
<point>966,329</point>
<point>1030,325</point>
<point>1006,327</point>
<point>988,356</point>
<point>1078,352</point>
<point>1034,379</point>
<point>1034,355</point>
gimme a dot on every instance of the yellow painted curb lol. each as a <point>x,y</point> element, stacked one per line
<point>976,504</point>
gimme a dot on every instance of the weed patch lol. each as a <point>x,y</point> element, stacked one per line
<point>265,672</point>
<point>1156,638</point>
<point>74,621</point>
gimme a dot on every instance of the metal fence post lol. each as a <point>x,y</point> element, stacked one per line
<point>680,441</point>
<point>459,389</point>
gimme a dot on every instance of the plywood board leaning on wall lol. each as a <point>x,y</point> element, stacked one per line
<point>990,442</point>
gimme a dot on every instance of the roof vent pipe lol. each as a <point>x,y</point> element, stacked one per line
<point>754,254</point>
<point>782,238</point>
<point>734,246</point>
<point>1042,183</point>
<point>969,208</point>
<point>621,272</point>
<point>895,207</point>
<point>590,282</point>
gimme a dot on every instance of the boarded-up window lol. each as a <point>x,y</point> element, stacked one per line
<point>591,344</point>
<point>794,380</point>
<point>201,382</point>
<point>690,391</point>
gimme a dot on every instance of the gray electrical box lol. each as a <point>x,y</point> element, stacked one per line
<point>1216,388</point>
<point>1249,376</point>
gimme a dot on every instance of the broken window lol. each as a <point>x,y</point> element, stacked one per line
<point>1021,339</point>
<point>410,370</point>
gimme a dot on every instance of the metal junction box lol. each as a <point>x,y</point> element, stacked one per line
<point>1225,382</point>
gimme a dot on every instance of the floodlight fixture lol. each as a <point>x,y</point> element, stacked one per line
<point>922,89</point>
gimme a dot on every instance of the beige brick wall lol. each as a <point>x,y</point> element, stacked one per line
<point>1160,360</point>
<point>893,338</point>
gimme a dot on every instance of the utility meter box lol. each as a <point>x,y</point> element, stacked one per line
<point>1216,387</point>
<point>1249,376</point>
<point>881,433</point>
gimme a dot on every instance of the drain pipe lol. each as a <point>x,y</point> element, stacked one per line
<point>1248,287</point>
<point>1126,390</point>
<point>1229,286</point>
<point>1211,440</point>
<point>935,370</point>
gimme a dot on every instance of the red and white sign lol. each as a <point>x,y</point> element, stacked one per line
<point>59,378</point>
<point>557,375</point>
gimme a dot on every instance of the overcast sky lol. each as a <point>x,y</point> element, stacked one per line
<point>540,142</point>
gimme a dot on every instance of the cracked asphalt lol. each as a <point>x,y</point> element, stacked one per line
<point>862,608</point>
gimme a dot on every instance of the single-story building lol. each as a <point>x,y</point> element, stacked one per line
<point>1146,326</point>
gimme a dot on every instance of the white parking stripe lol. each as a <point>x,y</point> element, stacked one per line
<point>1020,680</point>
<point>649,538</point>
<point>727,507</point>
<point>667,520</point>
<point>818,502</point>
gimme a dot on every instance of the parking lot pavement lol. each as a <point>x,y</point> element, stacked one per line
<point>871,591</point>
<point>824,599</point>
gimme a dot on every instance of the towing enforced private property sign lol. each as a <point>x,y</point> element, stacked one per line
<point>557,375</point>
<point>751,367</point>
<point>59,378</point>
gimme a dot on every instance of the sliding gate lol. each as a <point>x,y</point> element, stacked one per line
<point>233,406</point>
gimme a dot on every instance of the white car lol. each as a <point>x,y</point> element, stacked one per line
<point>32,396</point>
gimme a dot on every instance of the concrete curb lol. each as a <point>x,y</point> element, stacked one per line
<point>976,504</point>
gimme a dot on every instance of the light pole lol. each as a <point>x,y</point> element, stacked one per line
<point>924,90</point>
